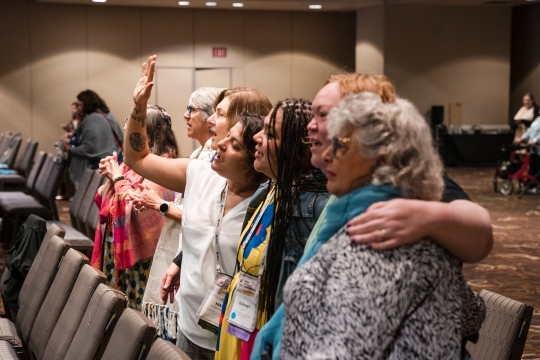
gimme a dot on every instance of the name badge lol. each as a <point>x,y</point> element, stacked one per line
<point>245,303</point>
<point>210,309</point>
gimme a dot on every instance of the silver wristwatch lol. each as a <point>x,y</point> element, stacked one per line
<point>164,208</point>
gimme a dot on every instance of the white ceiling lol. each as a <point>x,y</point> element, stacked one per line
<point>327,5</point>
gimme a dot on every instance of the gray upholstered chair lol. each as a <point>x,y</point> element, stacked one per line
<point>135,332</point>
<point>165,350</point>
<point>72,315</point>
<point>97,324</point>
<point>504,332</point>
<point>56,299</point>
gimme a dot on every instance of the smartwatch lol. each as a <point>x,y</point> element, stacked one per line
<point>164,208</point>
<point>118,178</point>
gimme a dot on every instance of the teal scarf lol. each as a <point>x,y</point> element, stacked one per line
<point>346,208</point>
<point>337,215</point>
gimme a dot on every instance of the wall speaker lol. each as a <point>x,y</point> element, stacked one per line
<point>437,114</point>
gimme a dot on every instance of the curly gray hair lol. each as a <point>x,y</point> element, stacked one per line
<point>204,98</point>
<point>399,136</point>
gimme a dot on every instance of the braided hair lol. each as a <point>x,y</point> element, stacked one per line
<point>294,172</point>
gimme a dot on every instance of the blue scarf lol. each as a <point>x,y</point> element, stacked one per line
<point>345,209</point>
<point>337,215</point>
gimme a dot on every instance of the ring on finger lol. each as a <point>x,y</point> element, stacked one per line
<point>383,233</point>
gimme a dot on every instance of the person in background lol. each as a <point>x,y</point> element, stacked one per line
<point>98,135</point>
<point>350,301</point>
<point>126,239</point>
<point>165,316</point>
<point>66,187</point>
<point>531,137</point>
<point>528,112</point>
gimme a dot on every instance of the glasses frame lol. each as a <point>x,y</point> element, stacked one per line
<point>336,144</point>
<point>190,109</point>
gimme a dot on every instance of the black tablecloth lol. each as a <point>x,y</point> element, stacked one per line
<point>465,149</point>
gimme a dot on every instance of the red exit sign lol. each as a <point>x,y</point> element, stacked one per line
<point>219,52</point>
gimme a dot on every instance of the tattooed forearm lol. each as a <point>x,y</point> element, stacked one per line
<point>136,109</point>
<point>140,119</point>
<point>137,141</point>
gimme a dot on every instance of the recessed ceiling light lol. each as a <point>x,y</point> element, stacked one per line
<point>99,0</point>
<point>183,3</point>
<point>211,3</point>
<point>315,7</point>
<point>238,5</point>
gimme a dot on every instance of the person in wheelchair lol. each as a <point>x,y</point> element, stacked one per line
<point>531,137</point>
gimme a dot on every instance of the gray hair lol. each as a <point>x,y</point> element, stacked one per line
<point>399,136</point>
<point>204,98</point>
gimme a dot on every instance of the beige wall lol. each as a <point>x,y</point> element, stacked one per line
<point>441,54</point>
<point>370,40</point>
<point>51,52</point>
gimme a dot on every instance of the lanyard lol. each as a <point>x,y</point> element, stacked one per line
<point>254,225</point>
<point>218,228</point>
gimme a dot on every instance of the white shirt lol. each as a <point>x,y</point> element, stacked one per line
<point>202,199</point>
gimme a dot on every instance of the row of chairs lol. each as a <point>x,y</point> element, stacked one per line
<point>66,312</point>
<point>38,198</point>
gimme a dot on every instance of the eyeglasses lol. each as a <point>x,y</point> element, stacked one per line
<point>191,109</point>
<point>338,143</point>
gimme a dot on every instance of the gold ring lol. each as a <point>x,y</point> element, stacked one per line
<point>382,232</point>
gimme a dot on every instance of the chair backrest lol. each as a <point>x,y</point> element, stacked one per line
<point>34,172</point>
<point>88,200</point>
<point>38,281</point>
<point>97,324</point>
<point>24,162</point>
<point>48,189</point>
<point>135,332</point>
<point>18,161</point>
<point>165,350</point>
<point>70,319</point>
<point>504,332</point>
<point>44,174</point>
<point>55,301</point>
<point>79,196</point>
<point>5,142</point>
<point>10,154</point>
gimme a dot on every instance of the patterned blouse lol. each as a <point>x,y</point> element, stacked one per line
<point>349,302</point>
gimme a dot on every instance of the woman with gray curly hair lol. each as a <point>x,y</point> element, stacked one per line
<point>348,301</point>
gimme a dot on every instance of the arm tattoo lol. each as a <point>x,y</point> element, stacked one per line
<point>137,141</point>
<point>141,119</point>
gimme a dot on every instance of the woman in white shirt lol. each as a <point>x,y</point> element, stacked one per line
<point>215,201</point>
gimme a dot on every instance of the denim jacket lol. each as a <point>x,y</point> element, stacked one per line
<point>305,215</point>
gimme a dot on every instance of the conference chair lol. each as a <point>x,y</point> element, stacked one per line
<point>16,177</point>
<point>135,332</point>
<point>25,185</point>
<point>97,324</point>
<point>504,332</point>
<point>55,301</point>
<point>72,315</point>
<point>165,350</point>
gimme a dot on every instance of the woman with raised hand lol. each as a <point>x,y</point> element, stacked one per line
<point>215,201</point>
<point>165,315</point>
<point>350,301</point>
<point>126,238</point>
<point>285,212</point>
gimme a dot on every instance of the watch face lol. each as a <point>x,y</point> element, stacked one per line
<point>164,207</point>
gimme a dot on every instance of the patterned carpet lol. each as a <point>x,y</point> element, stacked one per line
<point>513,267</point>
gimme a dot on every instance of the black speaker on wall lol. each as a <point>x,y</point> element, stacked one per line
<point>437,114</point>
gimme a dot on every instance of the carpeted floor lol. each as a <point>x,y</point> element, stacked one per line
<point>513,267</point>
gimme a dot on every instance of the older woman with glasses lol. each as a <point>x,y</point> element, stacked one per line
<point>348,301</point>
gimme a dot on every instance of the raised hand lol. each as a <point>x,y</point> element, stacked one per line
<point>143,89</point>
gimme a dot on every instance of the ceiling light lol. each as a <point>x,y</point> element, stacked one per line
<point>211,3</point>
<point>99,0</point>
<point>238,5</point>
<point>183,3</point>
<point>315,7</point>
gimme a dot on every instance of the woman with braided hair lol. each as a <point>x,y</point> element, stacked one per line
<point>274,234</point>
